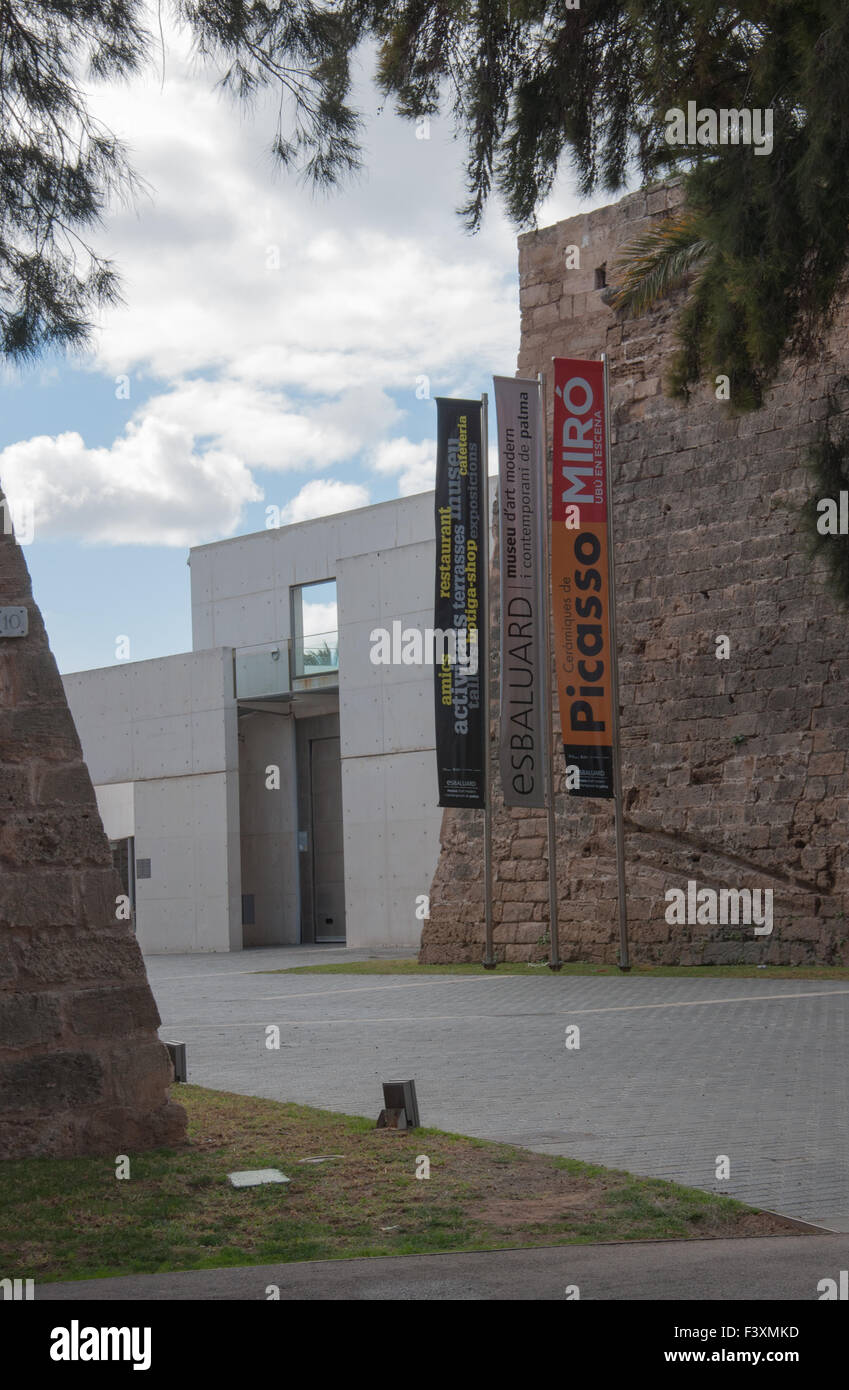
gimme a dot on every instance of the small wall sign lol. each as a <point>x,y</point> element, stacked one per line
<point>14,622</point>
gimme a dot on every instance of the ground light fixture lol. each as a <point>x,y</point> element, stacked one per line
<point>177,1053</point>
<point>401,1109</point>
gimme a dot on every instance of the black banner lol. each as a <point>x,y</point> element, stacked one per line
<point>460,671</point>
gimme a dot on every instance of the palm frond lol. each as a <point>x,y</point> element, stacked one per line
<point>658,262</point>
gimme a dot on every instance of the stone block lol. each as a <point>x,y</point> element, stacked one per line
<point>528,849</point>
<point>29,1019</point>
<point>117,1010</point>
<point>55,1081</point>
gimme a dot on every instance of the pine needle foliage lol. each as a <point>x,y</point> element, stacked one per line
<point>61,169</point>
<point>535,86</point>
<point>58,166</point>
<point>531,87</point>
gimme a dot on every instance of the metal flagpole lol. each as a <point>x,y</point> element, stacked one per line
<point>624,961</point>
<point>484,630</point>
<point>554,961</point>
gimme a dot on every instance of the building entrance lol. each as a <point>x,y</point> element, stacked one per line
<point>328,865</point>
<point>320,836</point>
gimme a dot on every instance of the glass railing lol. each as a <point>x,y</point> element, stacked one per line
<point>315,655</point>
<point>274,670</point>
<point>262,673</point>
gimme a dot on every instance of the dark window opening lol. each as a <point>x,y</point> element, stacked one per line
<point>124,861</point>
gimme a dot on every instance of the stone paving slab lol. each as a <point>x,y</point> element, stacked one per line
<point>670,1075</point>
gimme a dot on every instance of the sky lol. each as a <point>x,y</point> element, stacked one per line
<point>276,348</point>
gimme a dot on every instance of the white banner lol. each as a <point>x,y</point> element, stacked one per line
<point>521,495</point>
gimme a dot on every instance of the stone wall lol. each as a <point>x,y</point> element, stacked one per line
<point>81,1068</point>
<point>734,772</point>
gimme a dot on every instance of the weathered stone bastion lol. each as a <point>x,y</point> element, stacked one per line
<point>734,771</point>
<point>82,1070</point>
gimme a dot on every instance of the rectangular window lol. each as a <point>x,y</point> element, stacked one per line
<point>315,637</point>
<point>124,860</point>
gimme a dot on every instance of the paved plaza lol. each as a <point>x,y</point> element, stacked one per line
<point>670,1073</point>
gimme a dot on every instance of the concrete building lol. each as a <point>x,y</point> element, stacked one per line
<point>273,785</point>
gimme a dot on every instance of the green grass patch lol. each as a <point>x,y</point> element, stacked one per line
<point>700,972</point>
<point>72,1219</point>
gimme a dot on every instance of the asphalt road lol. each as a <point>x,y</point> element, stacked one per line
<point>764,1268</point>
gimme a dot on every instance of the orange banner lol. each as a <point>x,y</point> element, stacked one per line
<point>580,584</point>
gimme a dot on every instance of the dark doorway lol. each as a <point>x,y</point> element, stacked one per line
<point>328,863</point>
<point>320,831</point>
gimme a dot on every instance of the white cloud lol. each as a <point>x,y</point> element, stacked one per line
<point>415,464</point>
<point>420,477</point>
<point>319,619</point>
<point>269,429</point>
<point>275,323</point>
<point>234,266</point>
<point>153,487</point>
<point>323,497</point>
<point>181,471</point>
